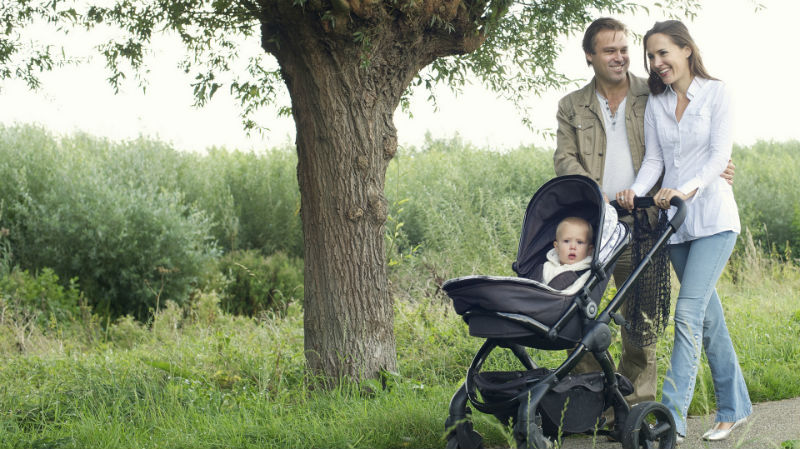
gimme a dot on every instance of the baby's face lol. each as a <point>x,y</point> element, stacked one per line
<point>572,243</point>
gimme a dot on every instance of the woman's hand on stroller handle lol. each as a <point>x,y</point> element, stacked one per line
<point>643,202</point>
<point>664,197</point>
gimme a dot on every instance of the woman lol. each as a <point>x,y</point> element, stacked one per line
<point>688,127</point>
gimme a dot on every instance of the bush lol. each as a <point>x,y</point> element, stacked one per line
<point>40,297</point>
<point>795,227</point>
<point>765,193</point>
<point>109,215</point>
<point>259,284</point>
<point>253,199</point>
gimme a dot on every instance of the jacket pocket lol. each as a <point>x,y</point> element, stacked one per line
<point>586,130</point>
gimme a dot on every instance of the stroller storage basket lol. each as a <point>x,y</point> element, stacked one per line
<point>574,405</point>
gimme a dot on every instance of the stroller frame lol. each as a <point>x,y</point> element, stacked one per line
<point>647,424</point>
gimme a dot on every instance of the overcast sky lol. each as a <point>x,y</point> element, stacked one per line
<point>754,52</point>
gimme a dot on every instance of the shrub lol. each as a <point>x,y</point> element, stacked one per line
<point>259,284</point>
<point>130,251</point>
<point>126,332</point>
<point>795,227</point>
<point>253,199</point>
<point>765,194</point>
<point>40,297</point>
<point>106,214</point>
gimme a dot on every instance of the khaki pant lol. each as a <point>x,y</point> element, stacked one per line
<point>636,363</point>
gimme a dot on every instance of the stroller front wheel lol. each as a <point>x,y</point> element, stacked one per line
<point>649,425</point>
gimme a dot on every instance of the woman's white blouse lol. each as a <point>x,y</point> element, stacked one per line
<point>692,154</point>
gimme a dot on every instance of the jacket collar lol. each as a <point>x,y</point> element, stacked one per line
<point>637,88</point>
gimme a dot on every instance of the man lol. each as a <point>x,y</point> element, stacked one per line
<point>601,135</point>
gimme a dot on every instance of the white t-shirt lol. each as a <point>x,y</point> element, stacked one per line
<point>618,172</point>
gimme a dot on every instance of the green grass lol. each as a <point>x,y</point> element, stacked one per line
<point>196,377</point>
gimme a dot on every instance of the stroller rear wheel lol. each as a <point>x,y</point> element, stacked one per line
<point>464,437</point>
<point>649,425</point>
<point>530,436</point>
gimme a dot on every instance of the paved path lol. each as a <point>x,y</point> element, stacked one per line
<point>771,424</point>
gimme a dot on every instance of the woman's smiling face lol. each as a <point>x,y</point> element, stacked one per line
<point>668,60</point>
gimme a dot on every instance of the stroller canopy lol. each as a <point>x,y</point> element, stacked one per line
<point>566,196</point>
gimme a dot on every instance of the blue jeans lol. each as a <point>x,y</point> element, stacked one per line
<point>699,319</point>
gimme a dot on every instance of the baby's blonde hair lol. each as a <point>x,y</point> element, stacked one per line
<point>576,221</point>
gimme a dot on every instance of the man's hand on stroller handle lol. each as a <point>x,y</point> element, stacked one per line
<point>625,199</point>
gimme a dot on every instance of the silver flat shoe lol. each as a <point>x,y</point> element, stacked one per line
<point>715,434</point>
<point>679,439</point>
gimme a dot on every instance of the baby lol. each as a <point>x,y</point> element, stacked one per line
<point>568,263</point>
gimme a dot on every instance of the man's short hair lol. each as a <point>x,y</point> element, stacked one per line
<point>603,23</point>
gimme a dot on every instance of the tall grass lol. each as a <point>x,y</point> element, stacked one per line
<point>767,196</point>
<point>198,377</point>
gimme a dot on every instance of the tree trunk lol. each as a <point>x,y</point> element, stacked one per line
<point>345,140</point>
<point>344,93</point>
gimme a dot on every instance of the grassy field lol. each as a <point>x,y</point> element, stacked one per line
<point>193,376</point>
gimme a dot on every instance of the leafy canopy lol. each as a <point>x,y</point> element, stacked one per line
<point>515,56</point>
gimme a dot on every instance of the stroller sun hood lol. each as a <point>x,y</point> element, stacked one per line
<point>573,195</point>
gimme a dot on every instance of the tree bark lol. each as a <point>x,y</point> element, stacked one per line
<point>341,171</point>
<point>345,140</point>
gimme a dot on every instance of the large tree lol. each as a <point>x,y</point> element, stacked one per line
<point>347,65</point>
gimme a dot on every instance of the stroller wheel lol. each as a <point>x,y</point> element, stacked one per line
<point>533,438</point>
<point>649,425</point>
<point>464,437</point>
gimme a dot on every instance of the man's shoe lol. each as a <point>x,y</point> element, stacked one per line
<point>715,434</point>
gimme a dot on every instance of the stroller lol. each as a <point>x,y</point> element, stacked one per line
<point>515,313</point>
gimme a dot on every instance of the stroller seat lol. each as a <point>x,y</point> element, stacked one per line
<point>520,309</point>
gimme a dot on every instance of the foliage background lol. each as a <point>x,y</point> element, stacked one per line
<point>135,223</point>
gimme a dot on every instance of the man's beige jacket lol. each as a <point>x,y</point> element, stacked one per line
<point>581,137</point>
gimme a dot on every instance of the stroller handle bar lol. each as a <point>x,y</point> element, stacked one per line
<point>643,202</point>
